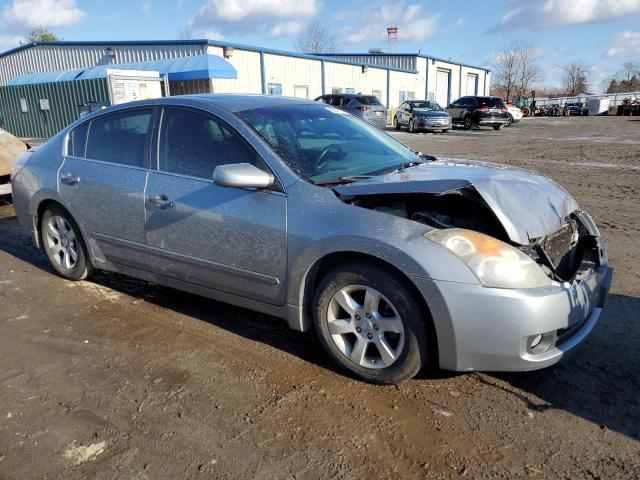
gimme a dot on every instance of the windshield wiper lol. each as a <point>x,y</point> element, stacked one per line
<point>347,179</point>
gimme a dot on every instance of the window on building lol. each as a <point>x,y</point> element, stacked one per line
<point>411,95</point>
<point>120,138</point>
<point>274,89</point>
<point>403,96</point>
<point>78,140</point>
<point>349,90</point>
<point>337,90</point>
<point>194,144</point>
<point>377,93</point>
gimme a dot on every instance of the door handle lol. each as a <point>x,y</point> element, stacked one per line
<point>69,178</point>
<point>160,201</point>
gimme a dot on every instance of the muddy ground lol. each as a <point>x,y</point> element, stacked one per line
<point>116,378</point>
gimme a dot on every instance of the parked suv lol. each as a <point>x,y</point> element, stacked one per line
<point>367,107</point>
<point>422,115</point>
<point>479,111</point>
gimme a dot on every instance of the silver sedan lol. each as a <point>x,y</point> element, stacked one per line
<point>398,260</point>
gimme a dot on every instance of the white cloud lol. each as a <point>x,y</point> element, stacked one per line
<point>9,42</point>
<point>145,8</point>
<point>274,18</point>
<point>625,43</point>
<point>555,13</point>
<point>286,28</point>
<point>23,15</point>
<point>413,23</point>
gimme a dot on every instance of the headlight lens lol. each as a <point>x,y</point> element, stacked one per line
<point>493,262</point>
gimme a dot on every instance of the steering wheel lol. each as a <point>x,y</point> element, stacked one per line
<point>322,159</point>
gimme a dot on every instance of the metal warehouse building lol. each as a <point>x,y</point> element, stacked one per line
<point>45,86</point>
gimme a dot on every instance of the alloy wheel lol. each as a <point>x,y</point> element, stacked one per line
<point>365,326</point>
<point>61,242</point>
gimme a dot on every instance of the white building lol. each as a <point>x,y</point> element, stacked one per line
<point>391,77</point>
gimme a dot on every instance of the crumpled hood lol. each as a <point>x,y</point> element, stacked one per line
<point>527,204</point>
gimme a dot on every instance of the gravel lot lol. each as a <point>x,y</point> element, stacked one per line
<point>116,378</point>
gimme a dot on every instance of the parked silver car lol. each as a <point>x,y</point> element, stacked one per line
<point>422,115</point>
<point>367,107</point>
<point>292,208</point>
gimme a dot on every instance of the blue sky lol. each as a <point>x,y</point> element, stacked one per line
<point>601,33</point>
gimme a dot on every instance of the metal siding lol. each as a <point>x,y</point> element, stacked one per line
<point>65,99</point>
<point>404,62</point>
<point>45,58</point>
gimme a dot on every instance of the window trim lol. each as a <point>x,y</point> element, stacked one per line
<point>276,187</point>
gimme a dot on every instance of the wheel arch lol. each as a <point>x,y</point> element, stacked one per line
<point>323,265</point>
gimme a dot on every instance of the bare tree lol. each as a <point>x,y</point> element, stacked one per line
<point>575,78</point>
<point>316,38</point>
<point>39,34</point>
<point>185,34</point>
<point>625,80</point>
<point>516,69</point>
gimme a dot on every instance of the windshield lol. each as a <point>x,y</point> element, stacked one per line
<point>321,143</point>
<point>426,106</point>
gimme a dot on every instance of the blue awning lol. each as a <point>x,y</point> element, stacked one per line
<point>195,67</point>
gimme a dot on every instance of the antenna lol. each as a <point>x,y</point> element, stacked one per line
<point>392,37</point>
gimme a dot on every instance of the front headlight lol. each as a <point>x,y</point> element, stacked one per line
<point>493,262</point>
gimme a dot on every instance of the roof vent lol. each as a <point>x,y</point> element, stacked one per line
<point>376,50</point>
<point>109,51</point>
<point>227,52</point>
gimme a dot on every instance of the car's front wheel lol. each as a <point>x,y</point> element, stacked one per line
<point>509,120</point>
<point>370,323</point>
<point>412,126</point>
<point>64,245</point>
<point>468,122</point>
<point>396,123</point>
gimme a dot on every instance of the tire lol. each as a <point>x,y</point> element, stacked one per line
<point>446,130</point>
<point>498,127</point>
<point>510,120</point>
<point>64,245</point>
<point>468,122</point>
<point>412,126</point>
<point>354,331</point>
<point>396,123</point>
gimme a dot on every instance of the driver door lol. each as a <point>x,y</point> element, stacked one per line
<point>229,239</point>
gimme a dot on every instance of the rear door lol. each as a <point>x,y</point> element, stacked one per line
<point>102,183</point>
<point>229,239</point>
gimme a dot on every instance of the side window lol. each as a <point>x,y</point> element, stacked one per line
<point>323,99</point>
<point>335,100</point>
<point>194,144</point>
<point>345,101</point>
<point>120,138</point>
<point>78,140</point>
<point>472,102</point>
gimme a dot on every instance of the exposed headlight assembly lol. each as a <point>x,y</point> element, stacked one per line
<point>493,262</point>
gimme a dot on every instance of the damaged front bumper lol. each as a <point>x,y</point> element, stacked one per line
<point>492,329</point>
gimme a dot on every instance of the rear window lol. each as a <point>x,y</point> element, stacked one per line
<point>368,100</point>
<point>491,102</point>
<point>119,137</point>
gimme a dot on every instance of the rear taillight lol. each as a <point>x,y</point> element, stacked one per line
<point>363,109</point>
<point>482,109</point>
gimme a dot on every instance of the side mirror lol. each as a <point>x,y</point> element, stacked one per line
<point>242,175</point>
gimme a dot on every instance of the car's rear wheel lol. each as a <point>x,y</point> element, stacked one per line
<point>412,126</point>
<point>64,245</point>
<point>468,123</point>
<point>370,324</point>
<point>498,127</point>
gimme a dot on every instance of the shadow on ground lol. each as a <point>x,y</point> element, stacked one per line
<point>600,382</point>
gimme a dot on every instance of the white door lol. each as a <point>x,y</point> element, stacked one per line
<point>301,91</point>
<point>472,84</point>
<point>442,87</point>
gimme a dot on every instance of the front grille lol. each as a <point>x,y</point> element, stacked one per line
<point>556,245</point>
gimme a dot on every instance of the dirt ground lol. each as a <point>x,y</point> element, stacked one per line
<point>116,378</point>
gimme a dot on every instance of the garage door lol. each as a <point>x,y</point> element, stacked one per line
<point>442,87</point>
<point>472,84</point>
